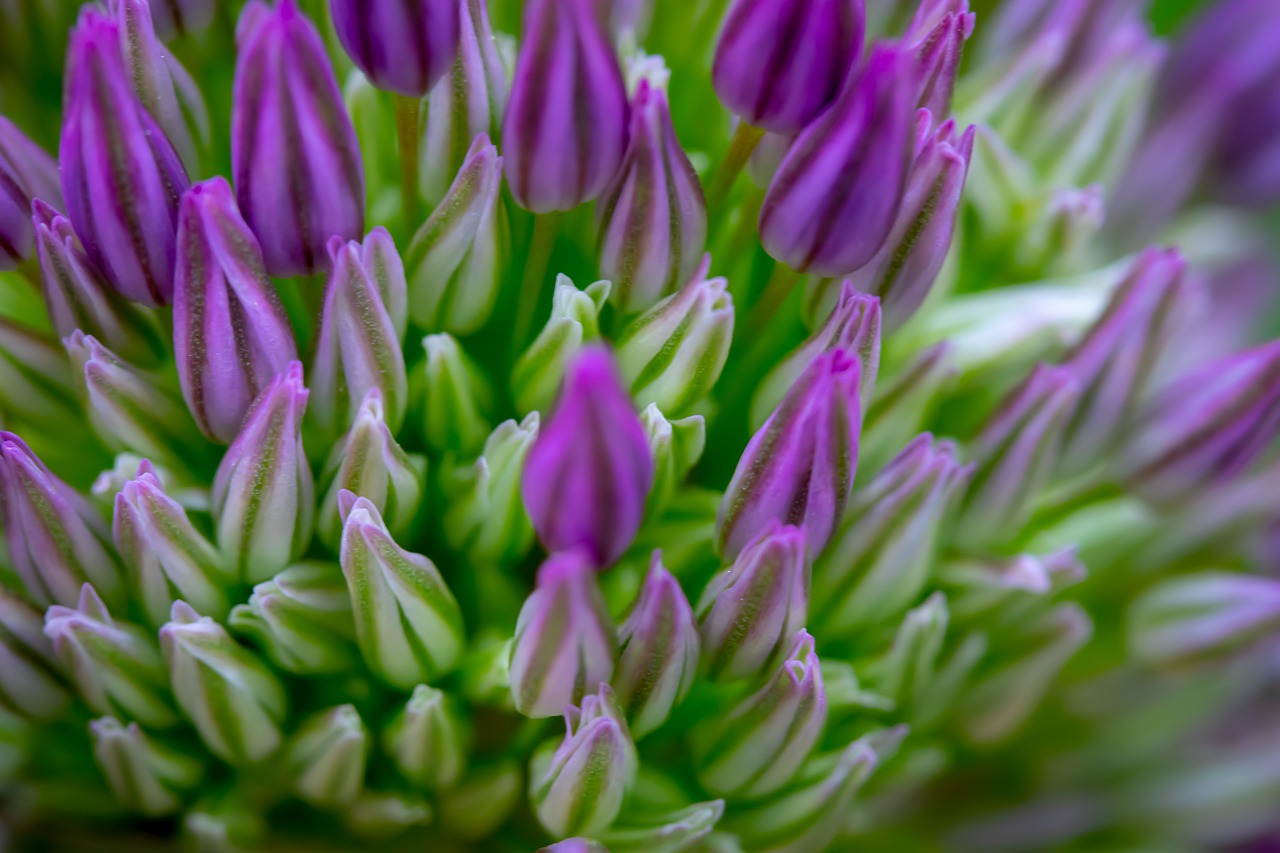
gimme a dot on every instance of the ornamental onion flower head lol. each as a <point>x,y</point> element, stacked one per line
<point>403,46</point>
<point>27,173</point>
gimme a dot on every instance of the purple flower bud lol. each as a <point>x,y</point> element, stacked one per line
<point>27,172</point>
<point>358,344</point>
<point>799,467</point>
<point>298,174</point>
<point>565,641</point>
<point>903,270</point>
<point>588,474</point>
<point>1247,160</point>
<point>1203,617</point>
<point>263,493</point>
<point>231,336</point>
<point>833,200</point>
<point>937,35</point>
<point>652,220</point>
<point>57,540</point>
<point>575,845</point>
<point>1206,427</point>
<point>403,46</point>
<point>177,17</point>
<point>779,63</point>
<point>750,610</point>
<point>660,647</point>
<point>566,124</point>
<point>121,177</point>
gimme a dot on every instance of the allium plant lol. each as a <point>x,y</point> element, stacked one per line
<point>639,425</point>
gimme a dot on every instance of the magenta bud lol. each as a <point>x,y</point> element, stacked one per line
<point>403,46</point>
<point>937,35</point>
<point>27,173</point>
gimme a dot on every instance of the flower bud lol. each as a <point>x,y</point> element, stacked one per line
<point>780,63</point>
<point>114,665</point>
<point>455,259</point>
<point>166,557</point>
<point>652,219</point>
<point>484,517</point>
<point>407,623</point>
<point>588,474</point>
<point>403,46</point>
<point>231,336</point>
<point>579,788</point>
<point>881,556</point>
<point>483,801</point>
<point>31,679</point>
<point>671,832</point>
<point>301,619</point>
<point>121,176</point>
<point>565,641</point>
<point>575,318</point>
<point>565,128</point>
<point>379,817</point>
<point>575,845</point>
<point>1206,427</point>
<point>660,647</point>
<point>833,200</point>
<point>145,775</point>
<point>367,462</point>
<point>27,173</point>
<point>263,493</point>
<point>456,397</point>
<point>799,467</point>
<point>900,405</point>
<point>758,746</point>
<point>294,155</point>
<point>853,326</point>
<point>178,17</point>
<point>57,540</point>
<point>235,702</point>
<point>427,739</point>
<point>1004,590</point>
<point>676,446</point>
<point>904,269</point>
<point>327,756</point>
<point>1202,617</point>
<point>358,342</point>
<point>937,35</point>
<point>35,378</point>
<point>672,354</point>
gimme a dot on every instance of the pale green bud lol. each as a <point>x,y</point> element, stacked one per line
<point>327,757</point>
<point>575,319</point>
<point>666,833</point>
<point>302,620</point>
<point>427,739</point>
<point>676,447</point>
<point>456,397</point>
<point>381,816</point>
<point>145,775</point>
<point>31,680</point>
<point>482,801</point>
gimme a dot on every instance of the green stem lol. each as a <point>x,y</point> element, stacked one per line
<point>541,242</point>
<point>744,142</point>
<point>407,140</point>
<point>784,278</point>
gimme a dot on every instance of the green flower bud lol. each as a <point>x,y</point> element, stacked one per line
<point>302,620</point>
<point>34,378</point>
<point>666,833</point>
<point>575,319</point>
<point>381,816</point>
<point>31,681</point>
<point>427,739</point>
<point>146,776</point>
<point>481,802</point>
<point>327,756</point>
<point>456,397</point>
<point>676,447</point>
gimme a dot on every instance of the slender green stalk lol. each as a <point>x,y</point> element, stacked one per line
<point>408,133</point>
<point>744,142</point>
<point>538,256</point>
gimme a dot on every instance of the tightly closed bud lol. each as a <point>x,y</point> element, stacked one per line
<point>426,739</point>
<point>27,173</point>
<point>407,623</point>
<point>57,540</point>
<point>378,816</point>
<point>455,259</point>
<point>298,174</point>
<point>145,775</point>
<point>482,802</point>
<point>231,336</point>
<point>1203,617</point>
<point>575,318</point>
<point>178,17</point>
<point>358,342</point>
<point>660,648</point>
<point>327,757</point>
<point>77,297</point>
<point>235,702</point>
<point>751,610</point>
<point>853,326</point>
<point>367,462</point>
<point>588,474</point>
<point>565,641</point>
<point>565,127</point>
<point>652,220</point>
<point>670,832</point>
<point>672,354</point>
<point>880,559</point>
<point>469,102</point>
<point>676,446</point>
<point>121,177</point>
<point>580,787</point>
<point>484,517</point>
<point>1207,427</point>
<point>937,35</point>
<point>35,378</point>
<point>833,200</point>
<point>31,680</point>
<point>403,46</point>
<point>1016,452</point>
<point>114,665</point>
<point>904,269</point>
<point>302,619</point>
<point>1004,590</point>
<point>758,747</point>
<point>780,63</point>
<point>456,396</point>
<point>263,493</point>
<point>167,558</point>
<point>799,467</point>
